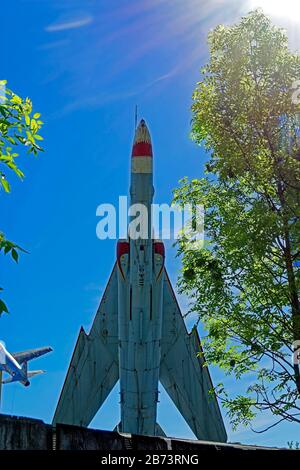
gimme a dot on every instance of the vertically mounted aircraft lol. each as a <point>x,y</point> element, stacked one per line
<point>139,336</point>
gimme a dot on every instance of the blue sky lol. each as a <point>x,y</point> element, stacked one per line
<point>86,64</point>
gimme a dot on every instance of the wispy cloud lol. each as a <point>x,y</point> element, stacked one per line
<point>53,45</point>
<point>69,24</point>
<point>129,39</point>
<point>101,99</point>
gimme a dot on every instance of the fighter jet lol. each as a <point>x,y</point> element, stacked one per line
<point>139,336</point>
<point>15,364</point>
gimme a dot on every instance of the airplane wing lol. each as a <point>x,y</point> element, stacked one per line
<point>93,370</point>
<point>26,356</point>
<point>182,373</point>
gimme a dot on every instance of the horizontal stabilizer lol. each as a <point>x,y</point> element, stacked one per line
<point>32,373</point>
<point>8,380</point>
<point>183,376</point>
<point>26,356</point>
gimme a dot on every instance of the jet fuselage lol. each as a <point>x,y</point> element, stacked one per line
<point>10,365</point>
<point>140,266</point>
<point>16,364</point>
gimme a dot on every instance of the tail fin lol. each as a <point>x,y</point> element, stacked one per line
<point>32,373</point>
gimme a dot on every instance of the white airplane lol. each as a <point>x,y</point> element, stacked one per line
<point>15,364</point>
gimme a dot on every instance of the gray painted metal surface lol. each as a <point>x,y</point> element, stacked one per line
<point>139,336</point>
<point>93,370</point>
<point>182,373</point>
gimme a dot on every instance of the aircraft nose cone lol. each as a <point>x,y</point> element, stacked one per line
<point>142,141</point>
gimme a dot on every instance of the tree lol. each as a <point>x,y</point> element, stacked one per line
<point>17,127</point>
<point>244,282</point>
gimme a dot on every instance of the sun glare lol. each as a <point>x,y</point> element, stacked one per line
<point>284,8</point>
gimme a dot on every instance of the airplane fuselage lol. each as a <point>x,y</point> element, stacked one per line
<point>140,263</point>
<point>9,365</point>
<point>15,364</point>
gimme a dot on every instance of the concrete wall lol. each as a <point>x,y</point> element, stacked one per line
<point>32,434</point>
<point>24,434</point>
<point>77,438</point>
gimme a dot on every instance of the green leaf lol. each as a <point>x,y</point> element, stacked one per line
<point>3,307</point>
<point>7,248</point>
<point>5,184</point>
<point>15,255</point>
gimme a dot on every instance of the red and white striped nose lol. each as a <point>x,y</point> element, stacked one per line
<point>141,161</point>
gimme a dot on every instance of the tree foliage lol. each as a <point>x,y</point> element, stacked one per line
<point>245,283</point>
<point>18,126</point>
